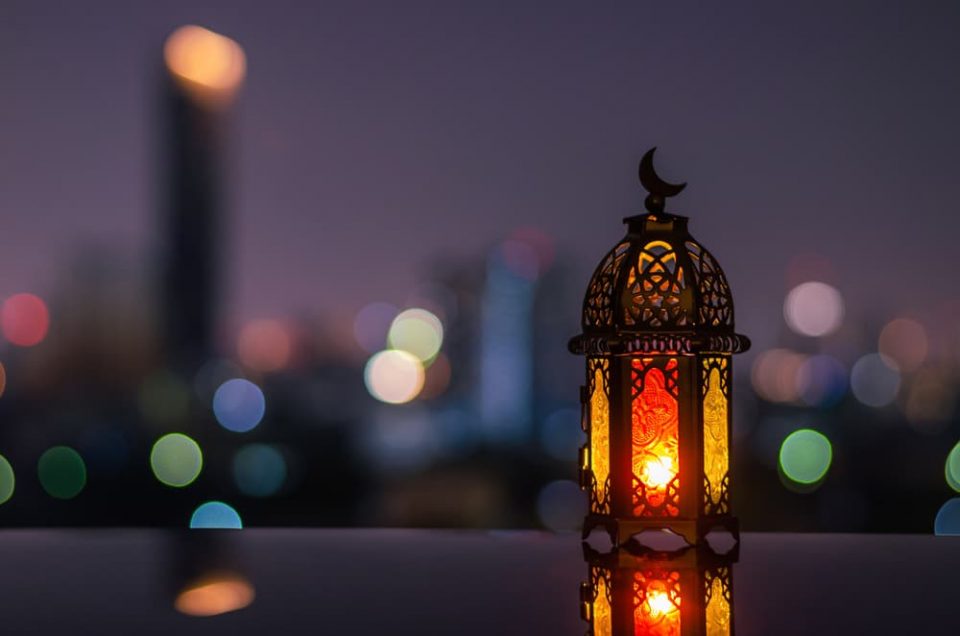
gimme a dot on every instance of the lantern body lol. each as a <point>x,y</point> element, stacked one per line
<point>658,337</point>
<point>654,595</point>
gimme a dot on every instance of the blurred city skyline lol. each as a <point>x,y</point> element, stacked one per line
<point>372,142</point>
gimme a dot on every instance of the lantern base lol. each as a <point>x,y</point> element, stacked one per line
<point>693,531</point>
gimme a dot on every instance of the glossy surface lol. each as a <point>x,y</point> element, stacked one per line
<point>444,582</point>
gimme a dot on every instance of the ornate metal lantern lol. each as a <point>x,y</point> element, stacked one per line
<point>690,594</point>
<point>658,336</point>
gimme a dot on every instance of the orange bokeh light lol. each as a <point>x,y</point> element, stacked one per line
<point>264,345</point>
<point>25,320</point>
<point>207,64</point>
<point>215,595</point>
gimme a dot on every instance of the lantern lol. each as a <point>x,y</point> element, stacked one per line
<point>690,594</point>
<point>658,336</point>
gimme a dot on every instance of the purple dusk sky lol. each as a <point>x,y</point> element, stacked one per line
<point>371,137</point>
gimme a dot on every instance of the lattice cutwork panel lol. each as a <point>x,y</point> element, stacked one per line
<point>598,382</point>
<point>715,388</point>
<point>601,614</point>
<point>655,432</point>
<point>719,615</point>
<point>716,302</point>
<point>598,303</point>
<point>656,602</point>
<point>652,297</point>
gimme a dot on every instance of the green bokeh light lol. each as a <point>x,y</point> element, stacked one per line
<point>62,472</point>
<point>952,468</point>
<point>176,460</point>
<point>7,480</point>
<point>805,456</point>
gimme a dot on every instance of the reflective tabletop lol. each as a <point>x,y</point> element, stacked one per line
<point>292,581</point>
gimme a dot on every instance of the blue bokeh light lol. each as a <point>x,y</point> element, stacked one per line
<point>239,405</point>
<point>947,523</point>
<point>215,515</point>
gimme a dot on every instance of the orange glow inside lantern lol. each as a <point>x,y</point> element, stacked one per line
<point>658,336</point>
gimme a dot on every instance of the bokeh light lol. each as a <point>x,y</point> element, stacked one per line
<point>947,523</point>
<point>905,342</point>
<point>214,595</point>
<point>952,468</point>
<point>215,515</point>
<point>875,380</point>
<point>3,379</point>
<point>560,505</point>
<point>264,345</point>
<point>239,405</point>
<point>813,309</point>
<point>805,456</point>
<point>7,480</point>
<point>62,472</point>
<point>437,378</point>
<point>394,376</point>
<point>821,381</point>
<point>775,375</point>
<point>24,319</point>
<point>930,401</point>
<point>416,331</point>
<point>205,60</point>
<point>259,470</point>
<point>371,325</point>
<point>176,460</point>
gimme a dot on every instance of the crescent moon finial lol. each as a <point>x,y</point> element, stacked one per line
<point>658,188</point>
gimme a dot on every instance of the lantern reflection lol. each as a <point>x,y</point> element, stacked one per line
<point>655,594</point>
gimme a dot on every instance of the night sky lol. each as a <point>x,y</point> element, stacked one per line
<point>372,138</point>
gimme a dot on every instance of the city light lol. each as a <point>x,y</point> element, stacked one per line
<point>215,515</point>
<point>416,331</point>
<point>239,405</point>
<point>947,522</point>
<point>905,342</point>
<point>393,376</point>
<point>813,309</point>
<point>24,319</point>
<point>259,470</point>
<point>209,63</point>
<point>952,468</point>
<point>7,480</point>
<point>821,381</point>
<point>371,325</point>
<point>215,595</point>
<point>875,380</point>
<point>62,472</point>
<point>805,456</point>
<point>264,346</point>
<point>176,460</point>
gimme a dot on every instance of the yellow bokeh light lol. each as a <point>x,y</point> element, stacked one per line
<point>394,376</point>
<point>215,595</point>
<point>208,64</point>
<point>416,331</point>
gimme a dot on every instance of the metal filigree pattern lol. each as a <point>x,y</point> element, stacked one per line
<point>716,304</point>
<point>717,602</point>
<point>656,598</point>
<point>655,433</point>
<point>652,297</point>
<point>598,379</point>
<point>598,303</point>
<point>715,379</point>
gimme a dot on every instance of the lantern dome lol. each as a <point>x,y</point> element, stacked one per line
<point>658,289</point>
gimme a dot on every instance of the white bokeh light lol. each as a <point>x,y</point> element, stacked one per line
<point>394,376</point>
<point>813,309</point>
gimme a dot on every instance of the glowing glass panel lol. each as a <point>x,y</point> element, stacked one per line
<point>718,610</point>
<point>600,430</point>
<point>655,430</point>
<point>716,442</point>
<point>657,609</point>
<point>602,617</point>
